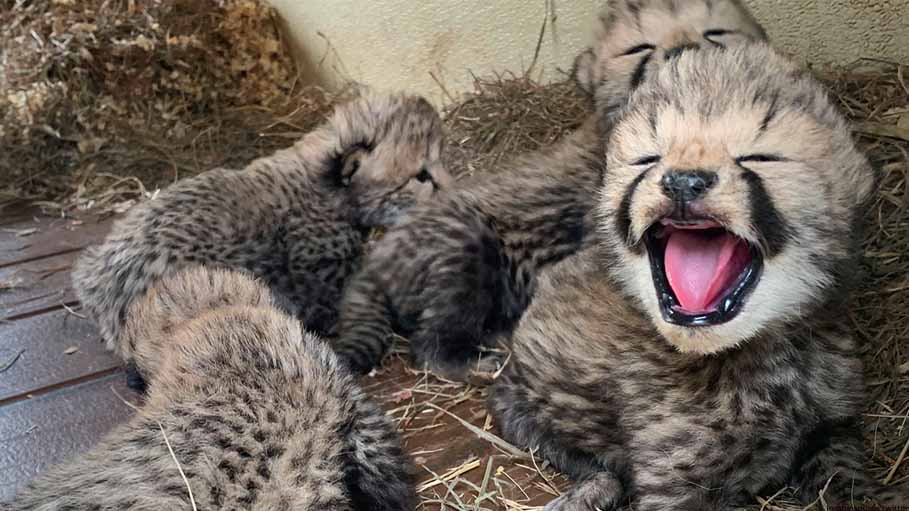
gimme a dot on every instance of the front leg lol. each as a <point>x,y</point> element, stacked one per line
<point>682,496</point>
<point>451,333</point>
<point>597,492</point>
<point>830,461</point>
<point>314,302</point>
<point>532,420</point>
<point>470,295</point>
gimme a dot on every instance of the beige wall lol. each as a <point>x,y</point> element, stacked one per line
<point>396,44</point>
<point>837,31</point>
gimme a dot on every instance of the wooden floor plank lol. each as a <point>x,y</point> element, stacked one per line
<point>31,240</point>
<point>36,285</point>
<point>14,215</point>
<point>55,347</point>
<point>40,432</point>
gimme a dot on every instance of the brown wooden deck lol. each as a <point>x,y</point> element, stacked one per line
<point>60,391</point>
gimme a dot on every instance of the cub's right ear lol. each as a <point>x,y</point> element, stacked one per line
<point>583,72</point>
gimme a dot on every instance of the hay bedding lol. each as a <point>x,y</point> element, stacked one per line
<point>876,98</point>
<point>101,97</point>
<point>102,100</point>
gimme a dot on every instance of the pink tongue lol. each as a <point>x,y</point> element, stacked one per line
<point>701,265</point>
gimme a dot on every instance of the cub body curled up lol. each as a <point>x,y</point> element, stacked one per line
<point>259,413</point>
<point>298,219</point>
<point>698,357</point>
<point>461,269</point>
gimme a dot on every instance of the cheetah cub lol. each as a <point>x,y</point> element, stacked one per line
<point>259,414</point>
<point>298,219</point>
<point>634,36</point>
<point>698,357</point>
<point>461,270</point>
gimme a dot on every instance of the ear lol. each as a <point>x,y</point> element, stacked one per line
<point>347,163</point>
<point>325,150</point>
<point>583,72</point>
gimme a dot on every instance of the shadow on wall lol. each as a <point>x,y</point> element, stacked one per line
<point>310,71</point>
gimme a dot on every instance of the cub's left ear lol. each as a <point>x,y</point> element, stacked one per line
<point>583,72</point>
<point>348,163</point>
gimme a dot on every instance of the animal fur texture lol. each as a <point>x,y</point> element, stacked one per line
<point>634,36</point>
<point>463,266</point>
<point>640,399</point>
<point>460,271</point>
<point>298,219</point>
<point>259,413</point>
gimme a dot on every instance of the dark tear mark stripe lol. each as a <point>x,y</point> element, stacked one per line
<point>773,227</point>
<point>770,115</point>
<point>623,219</point>
<point>652,117</point>
<point>638,75</point>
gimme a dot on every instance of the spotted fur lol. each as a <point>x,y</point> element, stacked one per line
<point>459,272</point>
<point>457,269</point>
<point>259,414</point>
<point>298,219</point>
<point>635,408</point>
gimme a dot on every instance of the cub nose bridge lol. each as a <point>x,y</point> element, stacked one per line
<point>687,185</point>
<point>679,41</point>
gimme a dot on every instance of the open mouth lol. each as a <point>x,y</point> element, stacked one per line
<point>702,272</point>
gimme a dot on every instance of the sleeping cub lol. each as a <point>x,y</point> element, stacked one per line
<point>257,413</point>
<point>297,219</point>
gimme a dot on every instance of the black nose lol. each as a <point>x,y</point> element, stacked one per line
<point>678,50</point>
<point>687,185</point>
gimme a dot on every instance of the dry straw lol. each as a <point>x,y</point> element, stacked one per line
<point>98,97</point>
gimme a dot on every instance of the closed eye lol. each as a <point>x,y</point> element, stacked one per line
<point>716,32</point>
<point>760,158</point>
<point>647,160</point>
<point>638,49</point>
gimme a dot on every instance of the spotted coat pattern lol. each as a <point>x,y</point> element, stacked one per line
<point>259,413</point>
<point>298,219</point>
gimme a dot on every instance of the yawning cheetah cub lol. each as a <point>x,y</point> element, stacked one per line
<point>462,268</point>
<point>258,413</point>
<point>698,356</point>
<point>298,219</point>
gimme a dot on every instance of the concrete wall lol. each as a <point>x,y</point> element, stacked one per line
<point>837,31</point>
<point>402,44</point>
